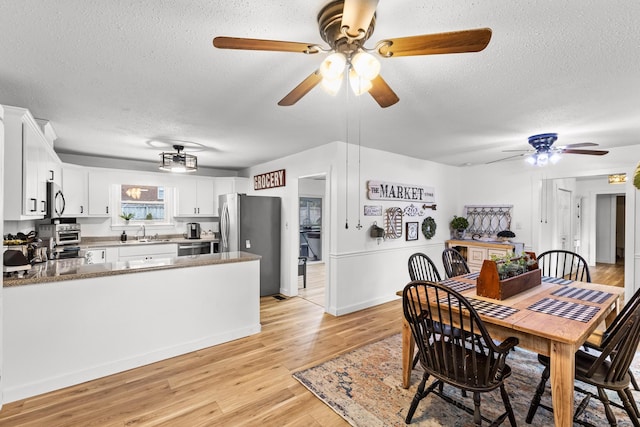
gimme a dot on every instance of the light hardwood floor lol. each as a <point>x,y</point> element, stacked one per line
<point>246,382</point>
<point>314,292</point>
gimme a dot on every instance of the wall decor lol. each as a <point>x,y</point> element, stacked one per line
<point>372,210</point>
<point>269,180</point>
<point>412,210</point>
<point>412,231</point>
<point>429,227</point>
<point>393,223</point>
<point>379,190</point>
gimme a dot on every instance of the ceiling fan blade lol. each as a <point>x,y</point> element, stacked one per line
<point>357,15</point>
<point>435,44</point>
<point>257,44</point>
<point>580,144</point>
<point>518,151</point>
<point>506,158</point>
<point>590,152</point>
<point>301,90</point>
<point>382,93</point>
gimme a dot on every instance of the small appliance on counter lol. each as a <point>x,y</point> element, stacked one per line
<point>14,261</point>
<point>63,237</point>
<point>193,230</point>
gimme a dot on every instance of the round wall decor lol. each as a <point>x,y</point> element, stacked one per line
<point>429,227</point>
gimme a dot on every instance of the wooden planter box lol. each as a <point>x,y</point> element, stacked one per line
<point>489,284</point>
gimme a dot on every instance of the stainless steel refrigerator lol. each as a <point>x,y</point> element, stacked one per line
<point>252,224</point>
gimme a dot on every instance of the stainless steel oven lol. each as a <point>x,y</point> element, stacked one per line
<point>195,248</point>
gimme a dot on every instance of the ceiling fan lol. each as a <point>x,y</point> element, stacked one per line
<point>345,25</point>
<point>544,152</point>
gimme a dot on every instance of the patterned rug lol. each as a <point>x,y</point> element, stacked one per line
<point>364,387</point>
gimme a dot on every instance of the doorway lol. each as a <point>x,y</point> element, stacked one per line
<point>610,228</point>
<point>311,244</point>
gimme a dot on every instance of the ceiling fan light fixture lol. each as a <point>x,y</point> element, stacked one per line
<point>178,161</point>
<point>333,66</point>
<point>359,84</point>
<point>366,65</point>
<point>332,86</point>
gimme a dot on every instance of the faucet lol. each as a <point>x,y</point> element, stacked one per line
<point>144,232</point>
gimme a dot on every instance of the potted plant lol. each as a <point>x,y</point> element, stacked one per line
<point>459,224</point>
<point>126,217</point>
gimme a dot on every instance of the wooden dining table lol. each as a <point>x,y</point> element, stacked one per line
<point>571,312</point>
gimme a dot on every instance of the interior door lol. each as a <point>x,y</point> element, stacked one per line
<point>563,215</point>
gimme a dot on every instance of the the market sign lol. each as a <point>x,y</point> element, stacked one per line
<point>380,190</point>
<point>269,180</point>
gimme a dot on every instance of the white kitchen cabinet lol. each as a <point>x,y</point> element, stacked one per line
<point>28,164</point>
<point>135,252</point>
<point>195,197</point>
<point>74,188</point>
<point>99,193</point>
<point>226,185</point>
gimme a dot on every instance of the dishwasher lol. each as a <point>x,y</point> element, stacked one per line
<point>195,248</point>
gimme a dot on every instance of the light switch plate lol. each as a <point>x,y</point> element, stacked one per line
<point>247,244</point>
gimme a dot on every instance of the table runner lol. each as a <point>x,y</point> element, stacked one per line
<point>568,310</point>
<point>457,286</point>
<point>582,294</point>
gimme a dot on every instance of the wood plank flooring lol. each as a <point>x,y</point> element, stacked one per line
<point>245,382</point>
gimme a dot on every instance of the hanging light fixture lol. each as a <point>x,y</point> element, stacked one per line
<point>178,161</point>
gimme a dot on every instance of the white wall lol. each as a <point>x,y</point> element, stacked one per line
<point>360,272</point>
<point>1,232</point>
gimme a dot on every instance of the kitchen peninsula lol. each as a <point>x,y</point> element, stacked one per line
<point>70,323</point>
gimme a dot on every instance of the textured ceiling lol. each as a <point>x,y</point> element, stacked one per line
<point>115,76</point>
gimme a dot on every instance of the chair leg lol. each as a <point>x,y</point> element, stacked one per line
<point>477,418</point>
<point>535,402</point>
<point>416,398</point>
<point>602,394</point>
<point>629,406</point>
<point>507,405</point>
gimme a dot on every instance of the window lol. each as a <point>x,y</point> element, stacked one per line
<point>143,203</point>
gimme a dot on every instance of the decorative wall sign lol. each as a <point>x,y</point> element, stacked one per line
<point>412,210</point>
<point>269,180</point>
<point>429,227</point>
<point>412,231</point>
<point>371,210</point>
<point>393,223</point>
<point>379,190</point>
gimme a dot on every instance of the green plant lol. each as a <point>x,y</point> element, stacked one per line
<point>459,223</point>
<point>126,216</point>
<point>149,216</point>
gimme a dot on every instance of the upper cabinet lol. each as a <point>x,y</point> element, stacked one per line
<point>99,192</point>
<point>29,163</point>
<point>74,189</point>
<point>198,196</point>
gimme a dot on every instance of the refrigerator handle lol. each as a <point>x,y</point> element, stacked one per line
<point>224,227</point>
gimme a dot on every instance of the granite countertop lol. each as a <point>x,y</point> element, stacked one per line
<point>75,268</point>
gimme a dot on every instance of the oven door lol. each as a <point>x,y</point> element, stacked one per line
<point>196,248</point>
<point>68,237</point>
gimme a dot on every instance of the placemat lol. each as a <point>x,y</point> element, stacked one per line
<point>582,294</point>
<point>566,309</point>
<point>556,280</point>
<point>457,285</point>
<point>488,308</point>
<point>471,275</point>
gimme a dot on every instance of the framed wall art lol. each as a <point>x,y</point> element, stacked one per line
<point>412,231</point>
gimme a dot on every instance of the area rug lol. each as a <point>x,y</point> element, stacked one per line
<point>365,388</point>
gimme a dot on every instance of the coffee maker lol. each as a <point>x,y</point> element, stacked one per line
<point>193,230</point>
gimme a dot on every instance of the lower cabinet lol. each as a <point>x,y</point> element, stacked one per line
<point>147,252</point>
